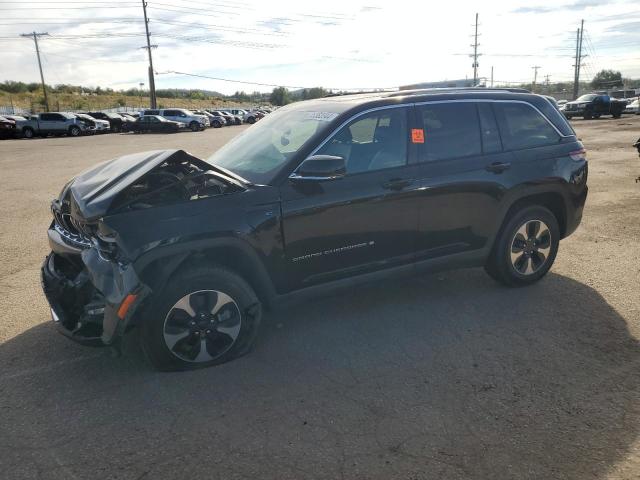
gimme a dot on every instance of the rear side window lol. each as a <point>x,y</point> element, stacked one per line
<point>521,127</point>
<point>151,112</point>
<point>47,117</point>
<point>171,113</point>
<point>451,130</point>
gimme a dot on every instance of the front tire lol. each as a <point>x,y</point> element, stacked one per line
<point>205,316</point>
<point>28,132</point>
<point>75,131</point>
<point>251,120</point>
<point>525,248</point>
<point>195,126</point>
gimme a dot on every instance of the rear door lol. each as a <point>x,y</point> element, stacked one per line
<point>364,221</point>
<point>462,175</point>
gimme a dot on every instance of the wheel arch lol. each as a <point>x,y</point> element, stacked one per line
<point>553,201</point>
<point>156,268</point>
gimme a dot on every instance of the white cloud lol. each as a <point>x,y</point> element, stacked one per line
<point>334,44</point>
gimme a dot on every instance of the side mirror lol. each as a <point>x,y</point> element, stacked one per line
<point>320,168</point>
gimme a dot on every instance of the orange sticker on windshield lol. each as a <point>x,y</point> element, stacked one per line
<point>417,135</point>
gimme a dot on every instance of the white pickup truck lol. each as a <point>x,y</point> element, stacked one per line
<point>54,123</point>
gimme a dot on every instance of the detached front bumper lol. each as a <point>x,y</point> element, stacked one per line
<point>93,301</point>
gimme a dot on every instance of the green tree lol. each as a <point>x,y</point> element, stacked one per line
<point>606,79</point>
<point>280,96</point>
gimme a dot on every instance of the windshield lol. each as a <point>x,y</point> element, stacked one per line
<point>258,153</point>
<point>586,98</point>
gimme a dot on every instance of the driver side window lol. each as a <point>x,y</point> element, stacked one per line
<point>374,141</point>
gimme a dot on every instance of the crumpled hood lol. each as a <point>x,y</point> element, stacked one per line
<point>94,190</point>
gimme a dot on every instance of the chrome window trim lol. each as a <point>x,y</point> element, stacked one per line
<point>488,100</point>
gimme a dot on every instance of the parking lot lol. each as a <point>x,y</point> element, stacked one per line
<point>447,376</point>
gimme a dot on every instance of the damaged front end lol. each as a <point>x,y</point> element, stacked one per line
<point>88,278</point>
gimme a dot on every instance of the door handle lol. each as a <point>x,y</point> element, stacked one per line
<point>498,167</point>
<point>397,184</point>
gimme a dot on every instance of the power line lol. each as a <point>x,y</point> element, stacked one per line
<point>268,84</point>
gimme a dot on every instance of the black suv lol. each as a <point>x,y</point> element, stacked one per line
<point>319,194</point>
<point>116,122</point>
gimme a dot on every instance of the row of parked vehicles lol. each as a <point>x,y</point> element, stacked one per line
<point>594,105</point>
<point>168,120</point>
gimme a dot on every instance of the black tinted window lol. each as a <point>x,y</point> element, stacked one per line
<point>372,142</point>
<point>521,126</point>
<point>151,112</point>
<point>171,113</point>
<point>451,130</point>
<point>47,117</point>
<point>489,129</point>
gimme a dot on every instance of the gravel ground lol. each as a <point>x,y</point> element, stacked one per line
<point>448,376</point>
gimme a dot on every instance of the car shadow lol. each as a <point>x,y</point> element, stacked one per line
<point>443,376</point>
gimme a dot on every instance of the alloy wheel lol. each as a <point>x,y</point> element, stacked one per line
<point>202,326</point>
<point>530,247</point>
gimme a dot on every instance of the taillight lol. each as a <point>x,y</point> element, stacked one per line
<point>578,155</point>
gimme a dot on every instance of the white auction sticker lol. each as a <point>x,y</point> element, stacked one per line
<point>320,116</point>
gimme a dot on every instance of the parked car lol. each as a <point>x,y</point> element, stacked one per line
<point>7,128</point>
<point>237,119</point>
<point>633,107</point>
<point>100,126</point>
<point>214,120</point>
<point>594,105</point>
<point>238,112</point>
<point>55,123</point>
<point>561,102</point>
<point>20,120</point>
<point>195,122</point>
<point>133,115</point>
<point>252,117</point>
<point>229,119</point>
<point>115,121</point>
<point>127,116</point>
<point>319,194</point>
<point>155,124</point>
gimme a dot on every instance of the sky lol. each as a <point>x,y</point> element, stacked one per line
<point>337,44</point>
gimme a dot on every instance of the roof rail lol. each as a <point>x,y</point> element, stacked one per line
<point>421,91</point>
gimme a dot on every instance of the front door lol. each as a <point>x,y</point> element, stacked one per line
<point>364,221</point>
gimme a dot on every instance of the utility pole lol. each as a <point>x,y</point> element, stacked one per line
<point>535,78</point>
<point>35,36</point>
<point>475,54</point>
<point>578,60</point>
<point>152,84</point>
<point>492,76</point>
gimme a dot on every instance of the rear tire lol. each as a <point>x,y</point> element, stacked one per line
<point>525,248</point>
<point>251,120</point>
<point>216,124</point>
<point>205,316</point>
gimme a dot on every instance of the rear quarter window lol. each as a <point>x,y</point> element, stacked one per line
<point>522,127</point>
